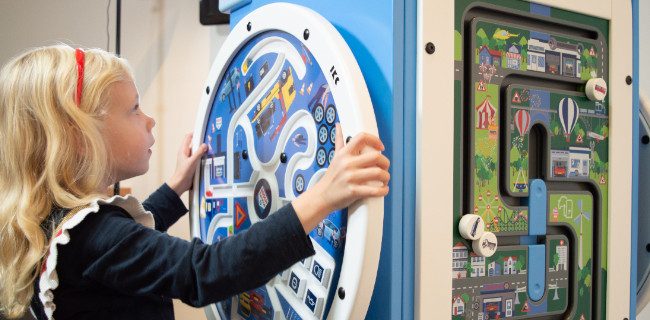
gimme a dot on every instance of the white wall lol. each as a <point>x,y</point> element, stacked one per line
<point>170,51</point>
<point>644,46</point>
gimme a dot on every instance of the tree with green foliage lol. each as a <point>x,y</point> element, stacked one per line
<point>555,127</point>
<point>458,45</point>
<point>604,130</point>
<point>514,156</point>
<point>468,267</point>
<point>521,263</point>
<point>523,42</point>
<point>468,303</point>
<point>499,44</point>
<point>481,38</point>
<point>485,175</point>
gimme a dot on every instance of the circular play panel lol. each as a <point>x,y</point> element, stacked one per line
<point>282,81</point>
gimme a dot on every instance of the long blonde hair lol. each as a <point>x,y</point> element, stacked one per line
<point>52,154</point>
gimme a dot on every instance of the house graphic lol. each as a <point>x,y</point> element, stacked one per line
<point>459,260</point>
<point>478,265</point>
<point>494,269</point>
<point>513,57</point>
<point>458,306</point>
<point>509,265</point>
<point>489,57</point>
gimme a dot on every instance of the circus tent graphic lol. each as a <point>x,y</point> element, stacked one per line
<point>486,114</point>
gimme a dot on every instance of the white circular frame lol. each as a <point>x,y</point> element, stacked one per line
<point>348,88</point>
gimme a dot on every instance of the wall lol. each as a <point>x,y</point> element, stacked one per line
<point>644,46</point>
<point>170,51</point>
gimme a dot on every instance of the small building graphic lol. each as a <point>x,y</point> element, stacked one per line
<point>562,262</point>
<point>458,306</point>
<point>509,265</point>
<point>513,57</point>
<point>494,269</point>
<point>489,57</point>
<point>478,265</point>
<point>579,161</point>
<point>497,301</point>
<point>459,260</point>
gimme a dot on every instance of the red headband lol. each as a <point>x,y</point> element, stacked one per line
<point>80,70</point>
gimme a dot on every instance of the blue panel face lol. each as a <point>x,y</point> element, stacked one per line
<point>271,134</point>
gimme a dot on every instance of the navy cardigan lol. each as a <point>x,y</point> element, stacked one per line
<point>115,268</point>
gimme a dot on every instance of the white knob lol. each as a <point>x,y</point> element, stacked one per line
<point>471,226</point>
<point>596,89</point>
<point>486,245</point>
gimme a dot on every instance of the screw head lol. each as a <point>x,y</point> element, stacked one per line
<point>645,139</point>
<point>283,157</point>
<point>305,34</point>
<point>244,154</point>
<point>207,90</point>
<point>341,293</point>
<point>249,26</point>
<point>628,80</point>
<point>430,48</point>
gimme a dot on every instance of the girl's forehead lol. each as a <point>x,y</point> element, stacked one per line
<point>123,93</point>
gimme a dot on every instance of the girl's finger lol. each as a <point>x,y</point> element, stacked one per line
<point>362,176</point>
<point>187,147</point>
<point>364,191</point>
<point>338,139</point>
<point>363,140</point>
<point>370,159</point>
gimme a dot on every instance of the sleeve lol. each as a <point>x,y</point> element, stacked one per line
<point>166,207</point>
<point>137,260</point>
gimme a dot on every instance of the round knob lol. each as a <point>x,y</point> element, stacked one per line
<point>471,226</point>
<point>596,89</point>
<point>486,245</point>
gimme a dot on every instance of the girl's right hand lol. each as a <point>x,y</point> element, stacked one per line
<point>358,170</point>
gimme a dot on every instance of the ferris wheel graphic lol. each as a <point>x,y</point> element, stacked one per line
<point>489,208</point>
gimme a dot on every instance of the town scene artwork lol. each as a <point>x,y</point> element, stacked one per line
<point>524,117</point>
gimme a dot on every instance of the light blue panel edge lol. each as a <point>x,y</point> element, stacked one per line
<point>231,5</point>
<point>635,157</point>
<point>537,208</point>
<point>370,28</point>
<point>410,114</point>
<point>536,271</point>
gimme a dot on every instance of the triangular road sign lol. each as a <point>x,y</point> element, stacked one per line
<point>481,86</point>
<point>240,215</point>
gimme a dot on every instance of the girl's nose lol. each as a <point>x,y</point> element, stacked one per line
<point>151,122</point>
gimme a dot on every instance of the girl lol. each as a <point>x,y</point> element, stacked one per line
<point>70,126</point>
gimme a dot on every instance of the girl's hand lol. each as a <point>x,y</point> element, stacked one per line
<point>186,162</point>
<point>358,170</point>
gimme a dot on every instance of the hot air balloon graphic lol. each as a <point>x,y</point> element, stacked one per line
<point>522,121</point>
<point>567,110</point>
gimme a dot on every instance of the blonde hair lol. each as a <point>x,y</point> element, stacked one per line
<point>52,154</point>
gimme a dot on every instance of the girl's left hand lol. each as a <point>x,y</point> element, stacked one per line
<point>186,162</point>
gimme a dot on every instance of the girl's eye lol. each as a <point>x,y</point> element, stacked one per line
<point>135,109</point>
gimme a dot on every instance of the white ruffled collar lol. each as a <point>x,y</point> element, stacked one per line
<point>49,279</point>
